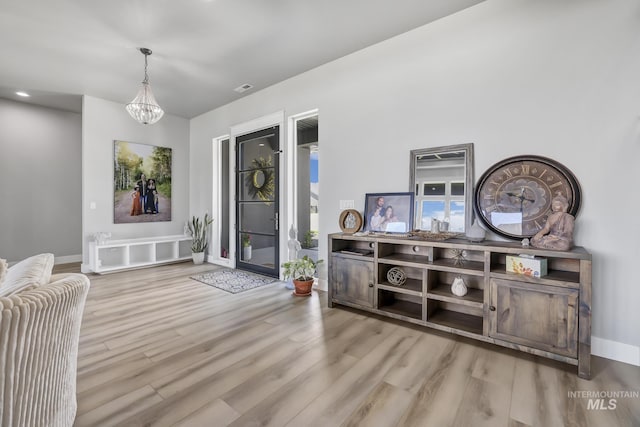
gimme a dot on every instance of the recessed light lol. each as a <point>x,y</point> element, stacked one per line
<point>24,94</point>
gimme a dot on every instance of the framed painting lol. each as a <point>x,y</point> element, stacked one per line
<point>141,183</point>
<point>388,212</point>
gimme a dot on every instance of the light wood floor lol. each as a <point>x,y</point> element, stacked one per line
<point>158,348</point>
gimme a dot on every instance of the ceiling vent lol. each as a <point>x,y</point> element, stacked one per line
<point>243,88</point>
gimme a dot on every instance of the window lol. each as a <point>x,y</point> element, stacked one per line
<point>457,188</point>
<point>443,201</point>
<point>434,189</point>
<point>431,209</point>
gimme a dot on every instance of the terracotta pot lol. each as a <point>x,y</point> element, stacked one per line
<point>302,287</point>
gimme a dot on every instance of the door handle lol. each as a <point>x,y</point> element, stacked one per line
<point>276,221</point>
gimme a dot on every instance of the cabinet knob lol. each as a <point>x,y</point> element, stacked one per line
<point>371,284</point>
<point>492,308</point>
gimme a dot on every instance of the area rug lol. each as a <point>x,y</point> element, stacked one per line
<point>234,281</point>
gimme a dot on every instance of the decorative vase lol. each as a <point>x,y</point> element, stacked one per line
<point>396,276</point>
<point>475,233</point>
<point>458,287</point>
<point>246,253</point>
<point>302,287</point>
<point>198,257</point>
<point>435,225</point>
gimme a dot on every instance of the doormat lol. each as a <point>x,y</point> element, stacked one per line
<point>233,281</point>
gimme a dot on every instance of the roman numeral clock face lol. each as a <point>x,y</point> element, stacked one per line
<point>513,197</point>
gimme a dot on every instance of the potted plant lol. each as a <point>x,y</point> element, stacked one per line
<point>246,247</point>
<point>198,229</point>
<point>301,270</point>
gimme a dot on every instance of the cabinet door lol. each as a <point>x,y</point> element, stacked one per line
<point>538,316</point>
<point>353,281</point>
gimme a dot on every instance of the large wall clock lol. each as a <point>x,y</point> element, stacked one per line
<point>513,197</point>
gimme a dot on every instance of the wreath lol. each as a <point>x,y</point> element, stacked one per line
<point>260,182</point>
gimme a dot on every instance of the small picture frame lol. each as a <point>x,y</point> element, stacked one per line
<point>350,221</point>
<point>388,212</point>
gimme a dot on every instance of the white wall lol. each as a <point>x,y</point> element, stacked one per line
<point>40,181</point>
<point>557,78</point>
<point>104,122</point>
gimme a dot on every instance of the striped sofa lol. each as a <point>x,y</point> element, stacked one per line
<point>40,316</point>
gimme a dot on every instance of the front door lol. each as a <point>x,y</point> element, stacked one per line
<point>257,201</point>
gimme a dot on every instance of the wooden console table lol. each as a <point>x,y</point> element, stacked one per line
<point>548,316</point>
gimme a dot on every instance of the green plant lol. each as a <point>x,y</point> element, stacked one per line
<point>307,241</point>
<point>301,269</point>
<point>198,231</point>
<point>246,240</point>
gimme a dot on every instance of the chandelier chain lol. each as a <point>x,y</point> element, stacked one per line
<point>146,75</point>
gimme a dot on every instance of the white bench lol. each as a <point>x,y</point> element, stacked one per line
<point>114,255</point>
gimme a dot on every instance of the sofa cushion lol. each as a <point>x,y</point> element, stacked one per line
<point>27,274</point>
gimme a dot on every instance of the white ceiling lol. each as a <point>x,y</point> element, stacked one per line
<point>202,49</point>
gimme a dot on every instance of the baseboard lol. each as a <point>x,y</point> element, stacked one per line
<point>322,284</point>
<point>57,260</point>
<point>67,259</point>
<point>614,350</point>
<point>219,261</point>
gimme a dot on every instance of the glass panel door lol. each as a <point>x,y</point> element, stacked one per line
<point>257,208</point>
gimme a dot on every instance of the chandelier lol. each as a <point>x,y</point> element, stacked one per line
<point>144,107</point>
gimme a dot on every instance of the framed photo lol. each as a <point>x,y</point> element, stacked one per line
<point>141,183</point>
<point>388,212</point>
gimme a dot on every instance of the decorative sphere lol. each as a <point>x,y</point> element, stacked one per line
<point>396,276</point>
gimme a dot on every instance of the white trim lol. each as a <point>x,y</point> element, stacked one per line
<point>260,123</point>
<point>292,166</point>
<point>614,350</point>
<point>219,261</point>
<point>67,259</point>
<point>289,162</point>
<point>216,199</point>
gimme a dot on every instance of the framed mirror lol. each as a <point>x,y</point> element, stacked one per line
<point>442,181</point>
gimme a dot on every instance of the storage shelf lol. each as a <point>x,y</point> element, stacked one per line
<point>352,256</point>
<point>406,260</point>
<point>411,287</point>
<point>474,268</point>
<point>473,298</point>
<point>117,255</point>
<point>455,320</point>
<point>570,279</point>
<point>403,308</point>
<point>143,240</point>
<point>492,293</point>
